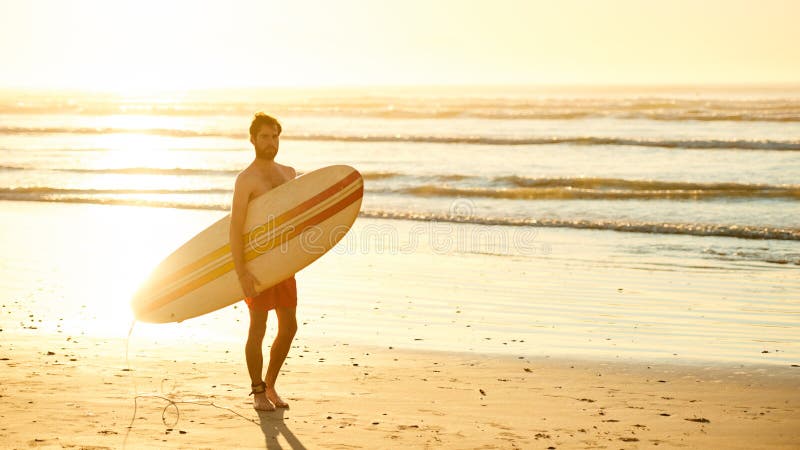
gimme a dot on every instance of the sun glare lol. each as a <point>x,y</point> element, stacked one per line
<point>141,48</point>
<point>127,247</point>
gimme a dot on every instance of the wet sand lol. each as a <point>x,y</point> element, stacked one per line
<point>374,375</point>
<point>507,290</point>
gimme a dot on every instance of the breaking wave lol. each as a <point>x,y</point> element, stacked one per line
<point>735,144</point>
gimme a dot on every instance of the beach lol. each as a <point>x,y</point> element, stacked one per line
<point>372,397</point>
<point>577,225</point>
<point>530,268</point>
<point>404,341</point>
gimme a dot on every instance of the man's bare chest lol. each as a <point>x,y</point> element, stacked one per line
<point>263,183</point>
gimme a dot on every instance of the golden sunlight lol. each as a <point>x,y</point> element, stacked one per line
<point>118,264</point>
<point>532,193</point>
<point>144,47</point>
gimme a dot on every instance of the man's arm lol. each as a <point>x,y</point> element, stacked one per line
<point>241,198</point>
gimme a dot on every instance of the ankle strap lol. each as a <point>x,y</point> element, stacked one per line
<point>258,388</point>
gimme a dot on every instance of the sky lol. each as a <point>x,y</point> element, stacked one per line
<point>146,45</point>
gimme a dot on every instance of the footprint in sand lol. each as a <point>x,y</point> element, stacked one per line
<point>430,411</point>
<point>497,425</point>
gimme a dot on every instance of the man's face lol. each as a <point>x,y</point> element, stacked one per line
<point>266,142</point>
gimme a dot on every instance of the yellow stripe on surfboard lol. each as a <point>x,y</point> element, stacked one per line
<point>286,216</point>
<point>222,258</point>
<point>223,254</point>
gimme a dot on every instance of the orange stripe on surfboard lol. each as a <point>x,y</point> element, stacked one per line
<point>252,254</point>
<point>257,236</point>
<point>281,219</point>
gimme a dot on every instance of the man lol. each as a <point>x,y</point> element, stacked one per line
<point>259,177</point>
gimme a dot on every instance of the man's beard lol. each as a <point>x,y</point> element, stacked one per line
<point>268,153</point>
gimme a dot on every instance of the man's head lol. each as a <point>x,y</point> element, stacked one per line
<point>264,135</point>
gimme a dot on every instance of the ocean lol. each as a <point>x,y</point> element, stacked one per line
<point>616,223</point>
<point>679,161</point>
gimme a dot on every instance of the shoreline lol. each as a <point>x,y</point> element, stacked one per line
<point>393,283</point>
<point>781,373</point>
<point>137,349</point>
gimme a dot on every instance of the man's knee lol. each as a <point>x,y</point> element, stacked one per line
<point>257,331</point>
<point>287,322</point>
<point>258,324</point>
<point>289,328</point>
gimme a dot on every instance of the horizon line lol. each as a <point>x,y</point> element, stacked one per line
<point>573,85</point>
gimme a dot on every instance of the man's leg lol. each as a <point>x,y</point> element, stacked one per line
<point>287,327</point>
<point>254,357</point>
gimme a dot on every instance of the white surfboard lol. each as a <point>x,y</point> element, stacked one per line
<point>288,228</point>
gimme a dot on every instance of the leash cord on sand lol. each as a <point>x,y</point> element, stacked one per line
<point>170,402</point>
<point>174,404</point>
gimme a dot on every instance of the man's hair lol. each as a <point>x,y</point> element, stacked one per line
<point>261,119</point>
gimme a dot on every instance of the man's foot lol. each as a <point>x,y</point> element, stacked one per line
<point>260,401</point>
<point>273,397</point>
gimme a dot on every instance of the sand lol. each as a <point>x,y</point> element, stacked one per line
<point>77,393</point>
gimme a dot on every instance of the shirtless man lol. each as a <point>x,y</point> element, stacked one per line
<point>259,177</point>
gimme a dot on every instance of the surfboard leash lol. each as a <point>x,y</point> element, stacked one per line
<point>170,402</point>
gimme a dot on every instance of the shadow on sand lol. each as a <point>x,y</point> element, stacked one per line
<point>273,425</point>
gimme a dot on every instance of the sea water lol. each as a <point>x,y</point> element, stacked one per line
<point>697,181</point>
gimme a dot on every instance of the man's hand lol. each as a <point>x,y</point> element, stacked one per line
<point>248,282</point>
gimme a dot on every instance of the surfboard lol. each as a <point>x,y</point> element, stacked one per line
<point>288,228</point>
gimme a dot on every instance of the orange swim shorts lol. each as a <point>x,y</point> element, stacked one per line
<point>282,295</point>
